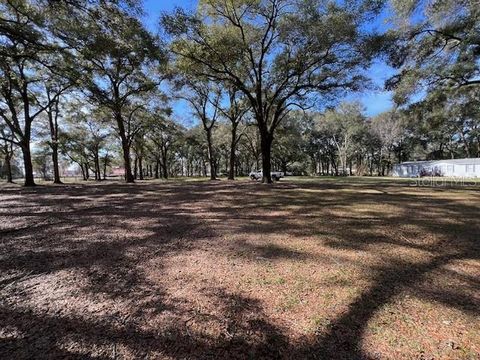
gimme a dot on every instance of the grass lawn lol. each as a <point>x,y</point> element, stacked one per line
<point>351,268</point>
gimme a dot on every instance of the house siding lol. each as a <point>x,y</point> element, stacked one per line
<point>451,168</point>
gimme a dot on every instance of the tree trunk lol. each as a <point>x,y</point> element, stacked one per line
<point>135,168</point>
<point>211,159</point>
<point>127,164</point>
<point>165,170</point>
<point>140,167</point>
<point>27,162</point>
<point>8,165</point>
<point>98,174</point>
<point>87,171</point>
<point>83,172</point>
<point>164,164</point>
<point>56,169</point>
<point>52,112</point>
<point>266,146</point>
<point>157,168</point>
<point>125,149</point>
<point>105,164</point>
<point>233,145</point>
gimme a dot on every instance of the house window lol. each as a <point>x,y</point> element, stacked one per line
<point>450,169</point>
<point>470,168</point>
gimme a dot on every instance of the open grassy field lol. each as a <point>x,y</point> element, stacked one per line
<point>346,268</point>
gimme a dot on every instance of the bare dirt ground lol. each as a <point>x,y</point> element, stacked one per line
<point>351,269</point>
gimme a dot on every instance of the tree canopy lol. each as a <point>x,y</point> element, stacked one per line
<point>263,84</point>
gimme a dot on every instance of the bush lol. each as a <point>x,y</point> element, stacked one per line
<point>431,173</point>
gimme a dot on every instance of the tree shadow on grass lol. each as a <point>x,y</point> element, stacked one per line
<point>453,226</point>
<point>178,218</point>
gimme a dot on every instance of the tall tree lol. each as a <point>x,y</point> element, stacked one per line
<point>437,47</point>
<point>121,62</point>
<point>276,52</point>
<point>389,129</point>
<point>288,149</point>
<point>204,99</point>
<point>53,114</point>
<point>7,149</point>
<point>29,56</point>
<point>84,139</point>
<point>343,124</point>
<point>446,122</point>
<point>236,110</point>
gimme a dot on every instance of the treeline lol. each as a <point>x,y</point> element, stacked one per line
<point>84,82</point>
<point>340,141</point>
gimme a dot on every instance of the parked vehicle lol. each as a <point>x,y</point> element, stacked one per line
<point>258,175</point>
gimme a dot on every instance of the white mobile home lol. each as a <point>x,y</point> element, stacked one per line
<point>469,168</point>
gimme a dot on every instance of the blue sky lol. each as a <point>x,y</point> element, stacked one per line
<point>375,101</point>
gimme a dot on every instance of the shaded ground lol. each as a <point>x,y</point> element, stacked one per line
<point>350,269</point>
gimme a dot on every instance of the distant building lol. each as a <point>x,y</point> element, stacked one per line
<point>452,168</point>
<point>117,171</point>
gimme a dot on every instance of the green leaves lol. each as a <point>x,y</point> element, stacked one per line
<point>437,46</point>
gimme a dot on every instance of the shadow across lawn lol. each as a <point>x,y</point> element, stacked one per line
<point>82,266</point>
<point>452,226</point>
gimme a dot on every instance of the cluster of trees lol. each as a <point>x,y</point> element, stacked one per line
<point>437,54</point>
<point>85,82</point>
